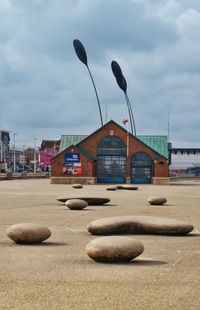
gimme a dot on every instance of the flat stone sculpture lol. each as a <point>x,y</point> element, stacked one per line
<point>128,187</point>
<point>155,200</point>
<point>111,188</point>
<point>28,233</point>
<point>77,185</point>
<point>114,249</point>
<point>139,225</point>
<point>90,200</point>
<point>76,204</point>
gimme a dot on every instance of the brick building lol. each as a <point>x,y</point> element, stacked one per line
<point>111,154</point>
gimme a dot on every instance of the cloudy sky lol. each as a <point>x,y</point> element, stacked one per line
<point>45,91</point>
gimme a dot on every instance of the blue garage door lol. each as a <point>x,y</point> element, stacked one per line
<point>141,168</point>
<point>111,160</point>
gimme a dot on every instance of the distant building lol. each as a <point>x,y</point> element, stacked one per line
<point>185,161</point>
<point>111,154</point>
<point>4,149</point>
<point>48,149</point>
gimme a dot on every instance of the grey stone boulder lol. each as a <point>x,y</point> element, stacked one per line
<point>114,249</point>
<point>92,201</point>
<point>76,204</point>
<point>28,233</point>
<point>156,200</point>
<point>77,185</point>
<point>139,224</point>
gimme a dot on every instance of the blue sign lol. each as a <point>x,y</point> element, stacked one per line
<point>72,157</point>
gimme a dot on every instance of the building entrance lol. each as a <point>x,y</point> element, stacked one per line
<point>111,160</point>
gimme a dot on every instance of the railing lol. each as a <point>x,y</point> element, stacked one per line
<point>24,175</point>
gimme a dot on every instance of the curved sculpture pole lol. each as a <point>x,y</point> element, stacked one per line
<point>131,112</point>
<point>81,53</point>
<point>96,96</point>
<point>121,81</point>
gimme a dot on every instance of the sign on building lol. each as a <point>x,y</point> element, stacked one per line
<point>72,157</point>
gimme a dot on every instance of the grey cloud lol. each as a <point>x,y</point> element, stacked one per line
<point>46,91</point>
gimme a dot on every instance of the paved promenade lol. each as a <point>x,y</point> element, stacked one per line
<point>58,274</point>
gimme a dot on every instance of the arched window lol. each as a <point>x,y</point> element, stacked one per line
<point>111,145</point>
<point>141,168</point>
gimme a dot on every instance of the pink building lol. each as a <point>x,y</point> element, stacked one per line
<point>48,149</point>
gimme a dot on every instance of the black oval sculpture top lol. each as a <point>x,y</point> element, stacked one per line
<point>121,81</point>
<point>80,51</point>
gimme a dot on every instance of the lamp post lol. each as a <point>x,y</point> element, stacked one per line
<point>24,156</point>
<point>14,155</point>
<point>34,159</point>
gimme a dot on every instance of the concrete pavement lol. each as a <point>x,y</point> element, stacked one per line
<point>58,274</point>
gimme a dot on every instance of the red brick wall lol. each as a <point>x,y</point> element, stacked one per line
<point>161,168</point>
<point>58,164</point>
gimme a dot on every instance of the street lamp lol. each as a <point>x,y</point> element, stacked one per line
<point>34,156</point>
<point>14,157</point>
<point>24,156</point>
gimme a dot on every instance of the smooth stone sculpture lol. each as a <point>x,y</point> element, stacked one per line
<point>128,187</point>
<point>28,233</point>
<point>90,200</point>
<point>114,249</point>
<point>23,175</point>
<point>111,188</point>
<point>77,185</point>
<point>155,200</point>
<point>76,204</point>
<point>9,175</point>
<point>139,225</point>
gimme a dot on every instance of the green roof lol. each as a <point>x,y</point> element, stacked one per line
<point>67,140</point>
<point>86,153</point>
<point>157,143</point>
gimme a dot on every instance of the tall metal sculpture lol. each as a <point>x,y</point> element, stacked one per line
<point>81,53</point>
<point>121,81</point>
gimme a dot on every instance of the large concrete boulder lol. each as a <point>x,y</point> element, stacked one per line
<point>76,204</point>
<point>139,225</point>
<point>156,200</point>
<point>76,186</point>
<point>28,233</point>
<point>92,201</point>
<point>114,249</point>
